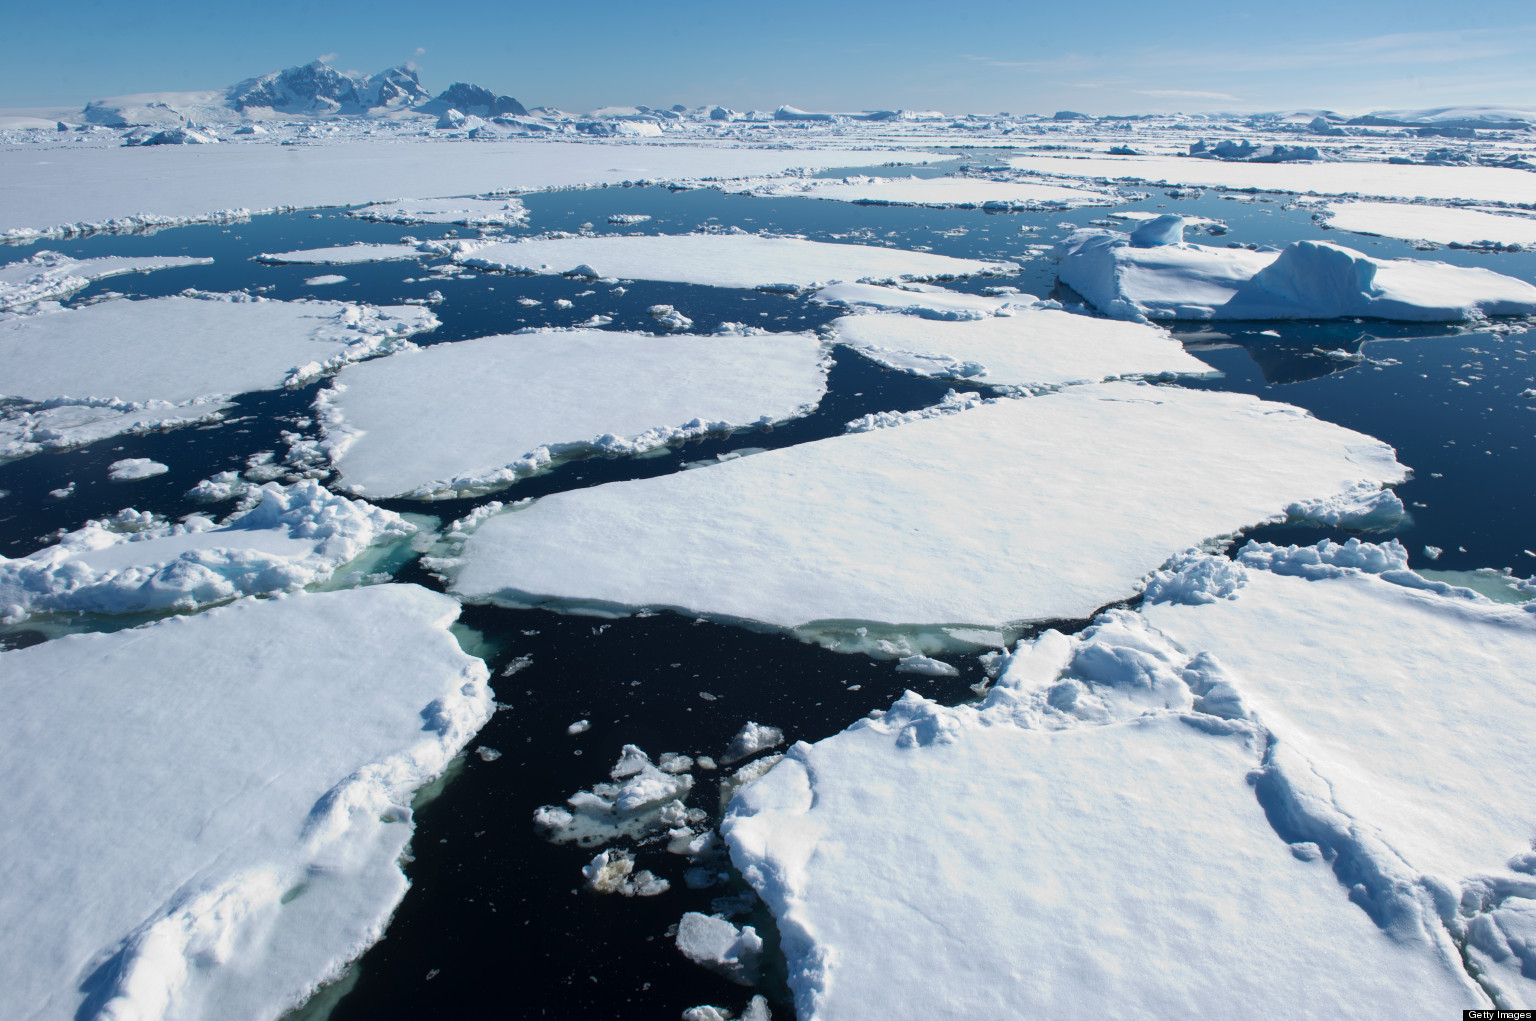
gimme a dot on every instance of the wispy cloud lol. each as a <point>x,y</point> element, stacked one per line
<point>1186,94</point>
<point>326,58</point>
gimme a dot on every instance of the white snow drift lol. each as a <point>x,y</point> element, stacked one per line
<point>477,414</point>
<point>49,275</point>
<point>1047,507</point>
<point>724,260</point>
<point>204,816</point>
<point>291,538</point>
<point>1153,273</point>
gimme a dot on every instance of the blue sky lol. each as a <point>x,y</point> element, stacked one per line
<point>1116,56</point>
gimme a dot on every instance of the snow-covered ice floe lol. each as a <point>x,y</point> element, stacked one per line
<point>131,563</point>
<point>941,192</point>
<point>725,260</point>
<point>361,252</point>
<point>49,275</point>
<point>1022,510</point>
<point>132,469</point>
<point>468,212</point>
<point>1445,225</point>
<point>1028,347</point>
<point>927,300</point>
<point>121,365</point>
<point>1084,843</point>
<point>475,415</point>
<point>1153,273</point>
<point>209,811</point>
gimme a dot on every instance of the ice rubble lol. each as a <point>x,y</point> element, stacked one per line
<point>724,260</point>
<point>48,275</point>
<point>1029,347</point>
<point>1446,225</point>
<point>475,415</point>
<point>209,818</point>
<point>944,192</point>
<point>468,212</point>
<point>287,539</point>
<point>120,365</point>
<point>1082,844</point>
<point>642,798</point>
<point>1152,273</point>
<point>1020,510</point>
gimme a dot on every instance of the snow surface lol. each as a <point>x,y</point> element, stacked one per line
<point>1042,508</point>
<point>1304,280</point>
<point>289,538</point>
<point>725,260</point>
<point>1440,224</point>
<point>468,212</point>
<point>475,415</point>
<point>941,192</point>
<point>47,275</point>
<point>1030,347</point>
<point>120,365</point>
<point>210,820</point>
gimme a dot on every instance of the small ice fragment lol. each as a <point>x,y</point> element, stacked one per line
<point>563,303</point>
<point>627,218</point>
<point>669,318</point>
<point>487,753</point>
<point>325,279</point>
<point>130,469</point>
<point>529,302</point>
<point>579,727</point>
<point>720,946</point>
<point>1433,552</point>
<point>927,666</point>
<point>517,664</point>
<point>671,762</point>
<point>59,494</point>
<point>751,739</point>
<point>705,762</point>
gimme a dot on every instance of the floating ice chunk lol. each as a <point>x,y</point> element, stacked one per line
<point>721,947</point>
<point>624,219</point>
<point>49,275</point>
<point>579,727</point>
<point>1021,510</point>
<point>221,832</point>
<point>1439,224</point>
<point>290,538</point>
<point>135,364</point>
<point>938,192</point>
<point>613,871</point>
<point>130,469</point>
<point>325,280</point>
<point>474,416</point>
<point>1032,347</point>
<point>638,805</point>
<point>1305,280</point>
<point>467,212</point>
<point>926,666</point>
<point>756,1010</point>
<point>751,739</point>
<point>669,318</point>
<point>725,260</point>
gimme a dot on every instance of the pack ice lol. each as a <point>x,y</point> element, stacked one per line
<point>1084,843</point>
<point>940,192</point>
<point>724,260</point>
<point>119,365</point>
<point>1438,224</point>
<point>209,811</point>
<point>475,415</point>
<point>1027,347</point>
<point>50,275</point>
<point>131,563</point>
<point>1152,272</point>
<point>1042,508</point>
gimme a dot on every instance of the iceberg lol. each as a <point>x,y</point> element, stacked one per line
<point>1029,347</point>
<point>724,260</point>
<point>209,811</point>
<point>1021,510</point>
<point>476,415</point>
<point>50,275</point>
<point>1152,273</point>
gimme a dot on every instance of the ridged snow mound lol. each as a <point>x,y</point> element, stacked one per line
<point>209,811</point>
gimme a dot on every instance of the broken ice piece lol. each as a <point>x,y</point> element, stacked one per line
<point>751,739</point>
<point>720,946</point>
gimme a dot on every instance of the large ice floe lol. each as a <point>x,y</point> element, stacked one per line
<point>81,374</point>
<point>1152,272</point>
<point>1021,510</point>
<point>1025,347</point>
<point>944,192</point>
<point>131,563</point>
<point>468,212</point>
<point>1445,225</point>
<point>725,260</point>
<point>475,415</point>
<point>209,811</point>
<point>1085,842</point>
<point>49,275</point>
<point>361,252</point>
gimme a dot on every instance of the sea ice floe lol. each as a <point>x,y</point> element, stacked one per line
<point>721,947</point>
<point>1022,510</point>
<point>468,212</point>
<point>1156,275</point>
<point>49,275</point>
<point>925,300</point>
<point>724,260</point>
<point>361,252</point>
<point>131,469</point>
<point>1439,224</point>
<point>1030,347</point>
<point>476,415</point>
<point>210,810</point>
<point>288,539</point>
<point>943,192</point>
<point>81,374</point>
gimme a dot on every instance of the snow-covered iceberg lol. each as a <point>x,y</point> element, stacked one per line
<point>50,275</point>
<point>468,212</point>
<point>1029,347</point>
<point>1153,273</point>
<point>725,260</point>
<point>131,563</point>
<point>1022,510</point>
<point>205,816</point>
<point>475,415</point>
<point>118,365</point>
